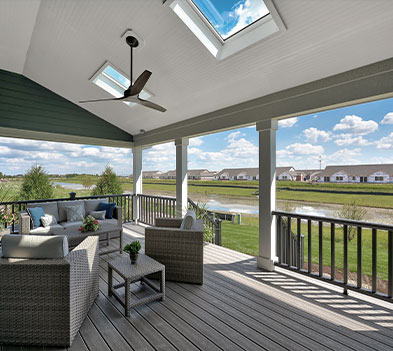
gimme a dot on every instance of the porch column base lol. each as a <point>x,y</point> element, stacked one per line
<point>265,263</point>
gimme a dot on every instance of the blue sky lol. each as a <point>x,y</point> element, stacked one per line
<point>352,135</point>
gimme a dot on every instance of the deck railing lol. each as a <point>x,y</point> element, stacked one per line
<point>122,200</point>
<point>152,206</point>
<point>355,255</point>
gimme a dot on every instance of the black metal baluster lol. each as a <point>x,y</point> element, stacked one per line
<point>299,234</point>
<point>13,218</point>
<point>320,243</point>
<point>345,256</point>
<point>309,248</point>
<point>289,241</point>
<point>332,251</point>
<point>279,253</point>
<point>374,260</point>
<point>390,263</point>
<point>359,257</point>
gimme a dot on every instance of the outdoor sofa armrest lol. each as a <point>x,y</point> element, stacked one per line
<point>118,214</point>
<point>168,222</point>
<point>24,223</point>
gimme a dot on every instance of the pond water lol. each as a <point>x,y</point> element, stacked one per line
<point>73,186</point>
<point>250,206</point>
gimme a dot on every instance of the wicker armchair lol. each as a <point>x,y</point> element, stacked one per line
<point>180,250</point>
<point>45,301</point>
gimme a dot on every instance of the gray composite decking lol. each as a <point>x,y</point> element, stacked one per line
<point>239,307</point>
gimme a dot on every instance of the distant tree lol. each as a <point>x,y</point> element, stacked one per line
<point>108,183</point>
<point>353,212</point>
<point>1,175</point>
<point>36,185</point>
<point>87,182</point>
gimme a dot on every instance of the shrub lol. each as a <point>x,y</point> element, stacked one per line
<point>353,212</point>
<point>36,185</point>
<point>108,183</point>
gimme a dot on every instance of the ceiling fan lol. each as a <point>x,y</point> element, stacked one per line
<point>131,94</point>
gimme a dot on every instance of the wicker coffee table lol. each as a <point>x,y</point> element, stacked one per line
<point>132,273</point>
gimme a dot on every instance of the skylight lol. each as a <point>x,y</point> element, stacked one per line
<point>114,82</point>
<point>229,17</point>
<point>225,27</point>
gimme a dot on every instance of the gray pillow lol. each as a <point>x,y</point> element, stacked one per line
<point>189,220</point>
<point>98,214</point>
<point>48,220</point>
<point>34,246</point>
<point>74,213</point>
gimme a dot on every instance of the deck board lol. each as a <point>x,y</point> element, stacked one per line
<point>239,307</point>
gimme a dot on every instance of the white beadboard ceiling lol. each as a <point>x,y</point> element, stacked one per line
<point>61,43</point>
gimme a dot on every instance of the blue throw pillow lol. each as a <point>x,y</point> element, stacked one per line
<point>108,208</point>
<point>36,213</point>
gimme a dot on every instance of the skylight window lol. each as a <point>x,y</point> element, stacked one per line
<point>229,17</point>
<point>113,81</point>
<point>225,27</point>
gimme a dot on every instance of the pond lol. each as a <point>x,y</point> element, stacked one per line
<point>250,206</point>
<point>73,186</point>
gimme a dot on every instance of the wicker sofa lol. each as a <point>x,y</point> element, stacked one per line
<point>109,228</point>
<point>45,301</point>
<point>180,250</point>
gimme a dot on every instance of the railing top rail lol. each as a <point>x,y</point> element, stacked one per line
<point>63,199</point>
<point>158,196</point>
<point>363,224</point>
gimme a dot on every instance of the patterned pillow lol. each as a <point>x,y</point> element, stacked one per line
<point>98,214</point>
<point>48,220</point>
<point>74,213</point>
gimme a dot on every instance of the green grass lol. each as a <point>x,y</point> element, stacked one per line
<point>245,238</point>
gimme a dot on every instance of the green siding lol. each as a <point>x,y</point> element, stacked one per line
<point>27,105</point>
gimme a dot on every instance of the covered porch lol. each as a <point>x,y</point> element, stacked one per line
<point>246,303</point>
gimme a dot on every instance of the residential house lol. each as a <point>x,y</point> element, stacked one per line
<point>286,173</point>
<point>372,173</point>
<point>151,174</point>
<point>200,174</point>
<point>238,174</point>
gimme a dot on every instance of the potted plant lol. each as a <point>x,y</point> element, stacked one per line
<point>133,250</point>
<point>90,224</point>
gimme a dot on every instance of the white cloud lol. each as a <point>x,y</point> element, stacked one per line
<point>356,125</point>
<point>385,142</point>
<point>287,123</point>
<point>388,118</point>
<point>348,139</point>
<point>313,135</point>
<point>233,135</point>
<point>244,13</point>
<point>344,156</point>
<point>197,141</point>
<point>299,149</point>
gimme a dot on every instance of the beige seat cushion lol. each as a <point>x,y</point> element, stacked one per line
<point>34,246</point>
<point>107,224</point>
<point>71,226</point>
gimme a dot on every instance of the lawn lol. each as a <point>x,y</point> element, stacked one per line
<point>245,238</point>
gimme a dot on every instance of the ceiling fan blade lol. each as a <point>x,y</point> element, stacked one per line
<point>150,104</point>
<point>140,82</point>
<point>113,99</point>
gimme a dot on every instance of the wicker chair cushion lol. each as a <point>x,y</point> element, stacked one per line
<point>98,214</point>
<point>35,214</point>
<point>48,220</point>
<point>189,220</point>
<point>34,246</point>
<point>49,208</point>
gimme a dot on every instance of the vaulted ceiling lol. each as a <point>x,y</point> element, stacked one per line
<point>61,44</point>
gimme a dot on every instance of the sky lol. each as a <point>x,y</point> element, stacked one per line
<point>359,134</point>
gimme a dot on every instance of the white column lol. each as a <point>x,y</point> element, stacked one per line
<point>137,179</point>
<point>267,194</point>
<point>181,177</point>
